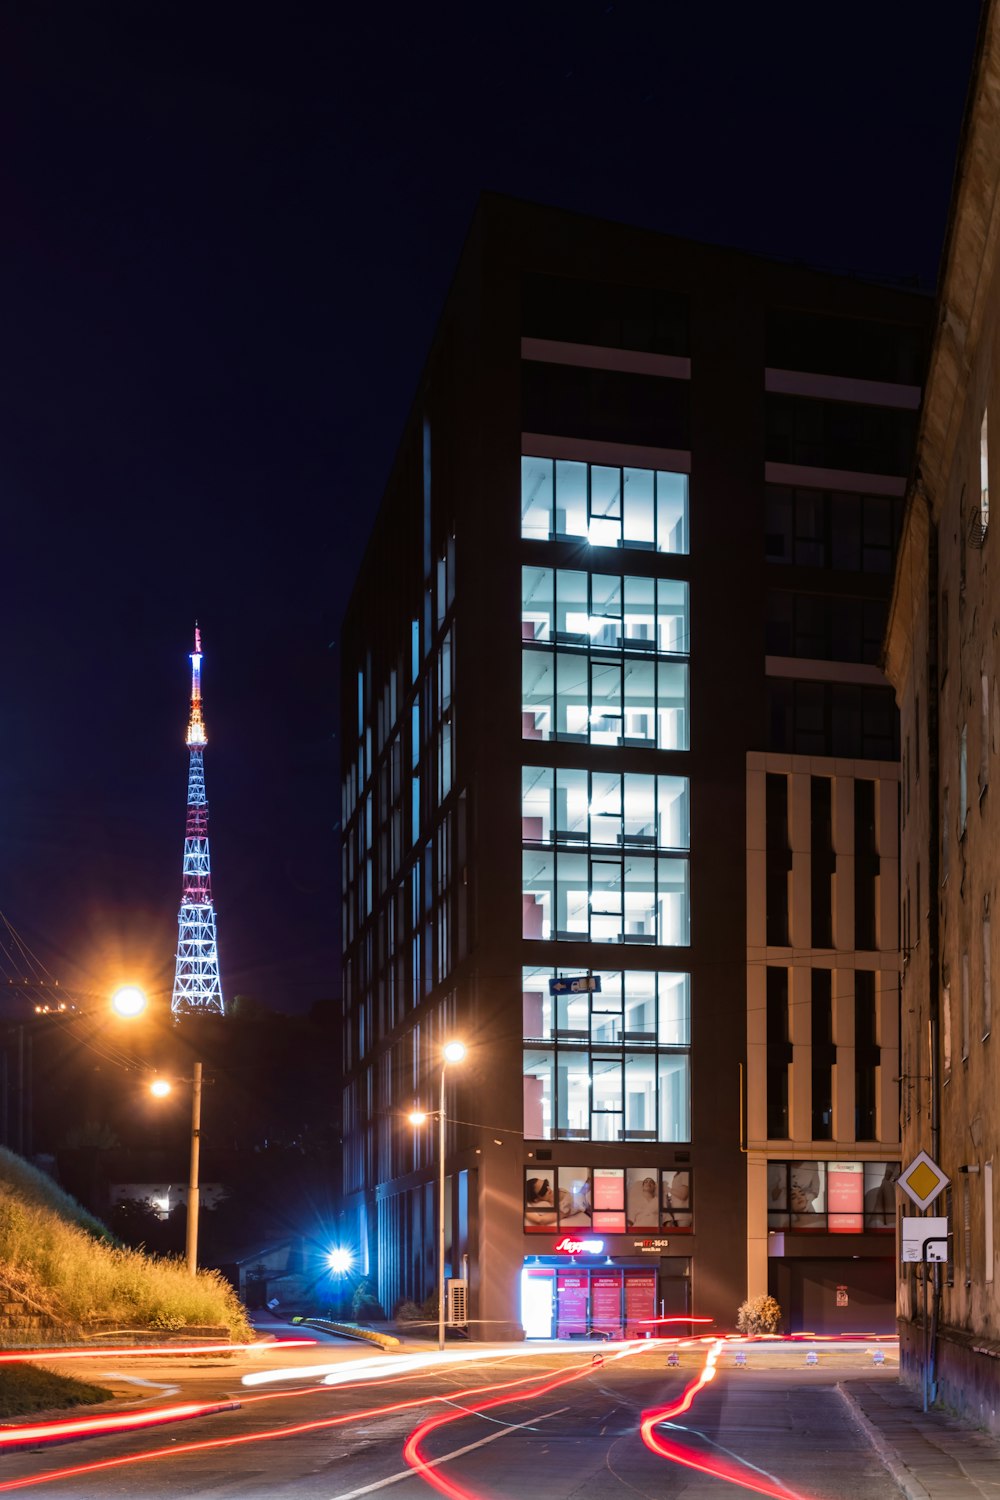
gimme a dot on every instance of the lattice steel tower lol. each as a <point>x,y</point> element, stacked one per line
<point>197,986</point>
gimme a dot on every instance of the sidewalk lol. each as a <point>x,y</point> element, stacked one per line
<point>931,1456</point>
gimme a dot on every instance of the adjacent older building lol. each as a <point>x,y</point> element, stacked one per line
<point>943,656</point>
<point>621,786</point>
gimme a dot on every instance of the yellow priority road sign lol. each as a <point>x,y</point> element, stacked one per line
<point>922,1180</point>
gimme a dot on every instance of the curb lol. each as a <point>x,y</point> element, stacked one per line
<point>902,1476</point>
<point>352,1331</point>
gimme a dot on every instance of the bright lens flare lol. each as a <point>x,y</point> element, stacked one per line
<point>454,1051</point>
<point>129,1001</point>
<point>417,1117</point>
<point>159,1088</point>
<point>340,1261</point>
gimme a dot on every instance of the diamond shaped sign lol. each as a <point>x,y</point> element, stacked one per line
<point>922,1180</point>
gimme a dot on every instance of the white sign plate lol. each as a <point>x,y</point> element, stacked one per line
<point>922,1180</point>
<point>917,1231</point>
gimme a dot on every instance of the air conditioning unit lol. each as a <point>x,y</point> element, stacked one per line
<point>458,1301</point>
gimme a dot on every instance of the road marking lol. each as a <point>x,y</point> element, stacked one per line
<point>679,1427</point>
<point>433,1463</point>
<point>155,1385</point>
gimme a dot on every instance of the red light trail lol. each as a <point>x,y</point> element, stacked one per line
<point>660,1321</point>
<point>433,1476</point>
<point>58,1431</point>
<point>144,1351</point>
<point>176,1450</point>
<point>677,1453</point>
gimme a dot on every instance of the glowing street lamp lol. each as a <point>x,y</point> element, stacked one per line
<point>129,1001</point>
<point>160,1088</point>
<point>340,1261</point>
<point>451,1052</point>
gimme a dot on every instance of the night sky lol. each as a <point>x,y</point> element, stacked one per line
<point>227,234</point>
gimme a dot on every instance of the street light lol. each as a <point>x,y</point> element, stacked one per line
<point>451,1052</point>
<point>160,1088</point>
<point>129,1001</point>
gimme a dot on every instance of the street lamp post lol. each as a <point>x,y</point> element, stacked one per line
<point>453,1052</point>
<point>160,1088</point>
<point>193,1187</point>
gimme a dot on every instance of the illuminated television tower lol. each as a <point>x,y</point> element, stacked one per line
<point>197,986</point>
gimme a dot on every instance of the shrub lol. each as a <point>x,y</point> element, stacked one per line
<point>25,1388</point>
<point>364,1303</point>
<point>758,1315</point>
<point>50,1259</point>
<point>408,1312</point>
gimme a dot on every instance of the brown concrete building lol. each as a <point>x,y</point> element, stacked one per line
<point>943,657</point>
<point>620,789</point>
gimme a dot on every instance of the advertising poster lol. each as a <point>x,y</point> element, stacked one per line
<point>609,1200</point>
<point>640,1303</point>
<point>777,1195</point>
<point>571,1304</point>
<point>575,1200</point>
<point>539,1199</point>
<point>641,1208</point>
<point>676,1205</point>
<point>880,1194</point>
<point>807,1194</point>
<point>606,1302</point>
<point>844,1197</point>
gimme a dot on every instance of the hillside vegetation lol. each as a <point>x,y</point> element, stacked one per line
<point>64,1264</point>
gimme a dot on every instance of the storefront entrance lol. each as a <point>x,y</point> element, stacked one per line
<point>612,1301</point>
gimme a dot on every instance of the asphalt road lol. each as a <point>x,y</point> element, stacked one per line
<point>568,1428</point>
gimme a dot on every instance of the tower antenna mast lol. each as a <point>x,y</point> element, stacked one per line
<point>197,985</point>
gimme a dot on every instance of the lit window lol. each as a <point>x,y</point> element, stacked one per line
<point>614,1063</point>
<point>605,506</point>
<point>600,659</point>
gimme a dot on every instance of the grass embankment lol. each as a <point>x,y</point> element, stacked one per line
<point>61,1262</point>
<point>25,1389</point>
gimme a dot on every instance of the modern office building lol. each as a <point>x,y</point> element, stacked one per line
<point>620,789</point>
<point>943,659</point>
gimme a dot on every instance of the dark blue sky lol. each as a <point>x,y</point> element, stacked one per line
<point>227,233</point>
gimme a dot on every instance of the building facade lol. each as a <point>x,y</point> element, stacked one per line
<point>620,789</point>
<point>942,657</point>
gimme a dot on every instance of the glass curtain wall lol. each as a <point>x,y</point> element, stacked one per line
<point>608,1066</point>
<point>600,658</point>
<point>593,870</point>
<point>562,500</point>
